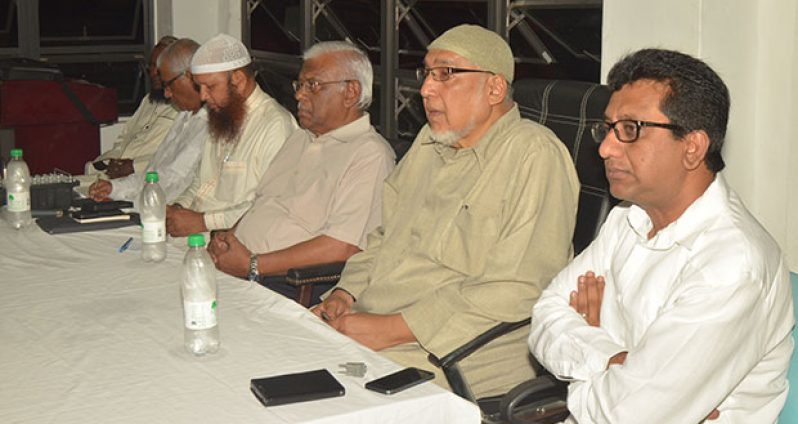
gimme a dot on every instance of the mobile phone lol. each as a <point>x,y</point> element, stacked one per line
<point>400,380</point>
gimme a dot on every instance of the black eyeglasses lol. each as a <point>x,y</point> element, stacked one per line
<point>314,86</point>
<point>168,84</point>
<point>443,73</point>
<point>626,130</point>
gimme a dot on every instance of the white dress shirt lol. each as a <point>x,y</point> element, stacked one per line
<point>704,309</point>
<point>175,160</point>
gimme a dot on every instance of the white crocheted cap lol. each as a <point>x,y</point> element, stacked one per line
<point>220,53</point>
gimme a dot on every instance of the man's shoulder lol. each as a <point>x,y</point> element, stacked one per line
<point>531,137</point>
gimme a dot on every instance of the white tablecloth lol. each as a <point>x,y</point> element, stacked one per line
<point>90,335</point>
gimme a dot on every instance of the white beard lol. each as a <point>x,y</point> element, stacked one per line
<point>451,138</point>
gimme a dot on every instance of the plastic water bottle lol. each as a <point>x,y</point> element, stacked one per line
<point>17,183</point>
<point>198,287</point>
<point>152,207</point>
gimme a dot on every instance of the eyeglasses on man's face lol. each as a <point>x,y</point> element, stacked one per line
<point>313,86</point>
<point>626,130</point>
<point>443,73</point>
<point>168,83</point>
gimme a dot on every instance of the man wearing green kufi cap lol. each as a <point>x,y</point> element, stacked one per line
<point>477,219</point>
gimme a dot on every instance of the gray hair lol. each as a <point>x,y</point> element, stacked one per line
<point>177,56</point>
<point>354,61</point>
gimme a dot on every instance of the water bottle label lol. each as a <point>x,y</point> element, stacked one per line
<point>199,315</point>
<point>153,232</point>
<point>18,202</point>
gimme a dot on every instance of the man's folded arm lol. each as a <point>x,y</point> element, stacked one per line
<point>689,360</point>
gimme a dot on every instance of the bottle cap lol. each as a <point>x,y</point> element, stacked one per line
<point>196,240</point>
<point>151,177</point>
<point>16,153</point>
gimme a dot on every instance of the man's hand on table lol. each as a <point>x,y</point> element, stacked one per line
<point>371,330</point>
<point>118,168</point>
<point>229,254</point>
<point>100,191</point>
<point>182,222</point>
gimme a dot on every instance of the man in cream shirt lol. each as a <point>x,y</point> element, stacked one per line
<point>323,193</point>
<point>247,129</point>
<point>142,133</point>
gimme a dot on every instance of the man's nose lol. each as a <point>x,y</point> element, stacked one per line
<point>610,146</point>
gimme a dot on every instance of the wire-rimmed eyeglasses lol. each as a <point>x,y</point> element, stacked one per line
<point>168,83</point>
<point>314,86</point>
<point>443,73</point>
<point>626,130</point>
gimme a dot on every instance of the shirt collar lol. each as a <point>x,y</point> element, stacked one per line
<point>486,146</point>
<point>345,133</point>
<point>684,230</point>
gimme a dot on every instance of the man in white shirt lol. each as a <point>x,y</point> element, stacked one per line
<point>680,310</point>
<point>178,155</point>
<point>322,194</point>
<point>143,132</point>
<point>247,129</point>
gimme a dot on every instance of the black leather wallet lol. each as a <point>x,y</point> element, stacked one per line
<point>300,387</point>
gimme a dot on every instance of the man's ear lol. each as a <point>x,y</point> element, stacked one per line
<point>695,149</point>
<point>352,93</point>
<point>497,87</point>
<point>238,79</point>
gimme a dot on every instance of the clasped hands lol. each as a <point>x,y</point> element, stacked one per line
<point>371,330</point>
<point>229,254</point>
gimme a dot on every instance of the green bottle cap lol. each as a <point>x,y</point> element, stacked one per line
<point>16,153</point>
<point>196,240</point>
<point>152,177</point>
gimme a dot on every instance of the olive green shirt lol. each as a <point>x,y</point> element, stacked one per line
<point>469,237</point>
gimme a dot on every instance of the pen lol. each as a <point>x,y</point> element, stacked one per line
<point>125,245</point>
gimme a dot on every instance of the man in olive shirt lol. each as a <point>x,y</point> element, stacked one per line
<point>477,219</point>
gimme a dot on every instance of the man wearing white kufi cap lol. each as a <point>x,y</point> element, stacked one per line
<point>477,219</point>
<point>247,130</point>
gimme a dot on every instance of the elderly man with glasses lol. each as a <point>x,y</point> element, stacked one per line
<point>477,219</point>
<point>322,194</point>
<point>680,310</point>
<point>178,155</point>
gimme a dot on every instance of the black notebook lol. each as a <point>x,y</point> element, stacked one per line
<point>300,387</point>
<point>66,224</point>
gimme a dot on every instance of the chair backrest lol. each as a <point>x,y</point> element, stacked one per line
<point>569,108</point>
<point>790,413</point>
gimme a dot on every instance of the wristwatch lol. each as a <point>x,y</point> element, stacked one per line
<point>253,268</point>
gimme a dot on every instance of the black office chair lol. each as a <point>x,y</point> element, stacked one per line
<point>568,108</point>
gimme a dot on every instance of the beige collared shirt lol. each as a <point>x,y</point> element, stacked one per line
<point>328,185</point>
<point>469,238</point>
<point>141,135</point>
<point>224,186</point>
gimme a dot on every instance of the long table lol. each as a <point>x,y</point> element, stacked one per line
<point>91,335</point>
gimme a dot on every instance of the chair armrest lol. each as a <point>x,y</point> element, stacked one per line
<point>540,400</point>
<point>467,349</point>
<point>449,364</point>
<point>315,274</point>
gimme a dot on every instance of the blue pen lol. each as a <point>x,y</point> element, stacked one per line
<point>125,245</point>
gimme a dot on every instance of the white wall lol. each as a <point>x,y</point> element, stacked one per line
<point>752,45</point>
<point>202,19</point>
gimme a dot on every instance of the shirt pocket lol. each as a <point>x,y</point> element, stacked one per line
<point>472,234</point>
<point>232,181</point>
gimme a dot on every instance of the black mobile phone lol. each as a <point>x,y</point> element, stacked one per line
<point>400,380</point>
